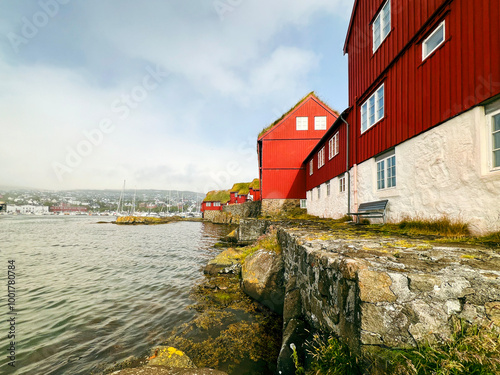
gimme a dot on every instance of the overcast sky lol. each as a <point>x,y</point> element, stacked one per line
<point>165,94</point>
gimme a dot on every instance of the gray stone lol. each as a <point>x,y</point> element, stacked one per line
<point>251,229</point>
<point>292,307</point>
<point>294,333</point>
<point>263,279</point>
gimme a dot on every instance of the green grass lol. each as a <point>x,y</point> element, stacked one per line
<point>331,357</point>
<point>441,227</point>
<point>268,241</point>
<point>222,196</point>
<point>472,350</point>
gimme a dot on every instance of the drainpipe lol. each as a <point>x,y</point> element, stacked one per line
<point>347,165</point>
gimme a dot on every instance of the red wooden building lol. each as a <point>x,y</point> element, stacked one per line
<point>215,200</point>
<point>282,147</point>
<point>245,191</point>
<point>424,113</point>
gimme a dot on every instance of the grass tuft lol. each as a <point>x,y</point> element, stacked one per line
<point>441,227</point>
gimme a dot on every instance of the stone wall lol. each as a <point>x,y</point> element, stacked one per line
<point>243,210</point>
<point>218,217</point>
<point>272,207</point>
<point>385,292</point>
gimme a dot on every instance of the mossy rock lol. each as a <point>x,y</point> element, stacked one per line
<point>170,357</point>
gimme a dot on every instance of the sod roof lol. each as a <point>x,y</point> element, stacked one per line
<point>242,188</point>
<point>255,184</point>
<point>267,128</point>
<point>222,196</point>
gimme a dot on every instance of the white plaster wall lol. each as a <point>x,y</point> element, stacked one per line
<point>333,206</point>
<point>443,172</point>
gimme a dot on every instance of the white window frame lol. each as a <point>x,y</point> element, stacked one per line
<point>386,174</point>
<point>328,189</point>
<point>208,204</point>
<point>321,157</point>
<point>491,134</point>
<point>319,192</point>
<point>426,54</point>
<point>383,20</point>
<point>216,204</point>
<point>320,123</point>
<point>342,184</point>
<point>333,146</point>
<point>369,106</point>
<point>311,167</point>
<point>302,123</point>
<point>303,203</point>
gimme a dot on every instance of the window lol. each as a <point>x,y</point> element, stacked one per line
<point>311,167</point>
<point>386,171</point>
<point>301,123</point>
<point>433,41</point>
<point>328,189</point>
<point>320,123</point>
<point>382,25</point>
<point>321,158</point>
<point>209,204</point>
<point>216,204</point>
<point>319,192</point>
<point>495,134</point>
<point>342,184</point>
<point>372,111</point>
<point>303,203</point>
<point>333,146</point>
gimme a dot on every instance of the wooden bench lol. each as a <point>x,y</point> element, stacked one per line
<point>371,210</point>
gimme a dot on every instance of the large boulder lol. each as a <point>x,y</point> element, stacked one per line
<point>263,275</point>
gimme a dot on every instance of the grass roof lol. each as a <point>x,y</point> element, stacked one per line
<point>222,196</point>
<point>255,184</point>
<point>242,188</point>
<point>266,129</point>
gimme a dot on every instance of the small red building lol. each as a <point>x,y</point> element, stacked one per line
<point>245,191</point>
<point>215,200</point>
<point>282,148</point>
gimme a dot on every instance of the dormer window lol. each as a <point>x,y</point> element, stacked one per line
<point>382,25</point>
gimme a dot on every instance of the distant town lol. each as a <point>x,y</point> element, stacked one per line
<point>100,202</point>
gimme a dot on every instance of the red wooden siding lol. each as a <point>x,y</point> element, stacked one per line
<point>419,95</point>
<point>333,167</point>
<point>283,184</point>
<point>283,148</point>
<point>204,207</point>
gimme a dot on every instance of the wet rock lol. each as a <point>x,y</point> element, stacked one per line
<point>262,275</point>
<point>170,357</point>
<point>161,370</point>
<point>227,262</point>
<point>295,333</point>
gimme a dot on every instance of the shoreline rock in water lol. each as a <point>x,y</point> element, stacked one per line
<point>146,220</point>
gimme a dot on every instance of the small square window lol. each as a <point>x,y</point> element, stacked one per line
<point>302,123</point>
<point>303,203</point>
<point>320,123</point>
<point>433,41</point>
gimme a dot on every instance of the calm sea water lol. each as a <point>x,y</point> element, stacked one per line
<point>90,295</point>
